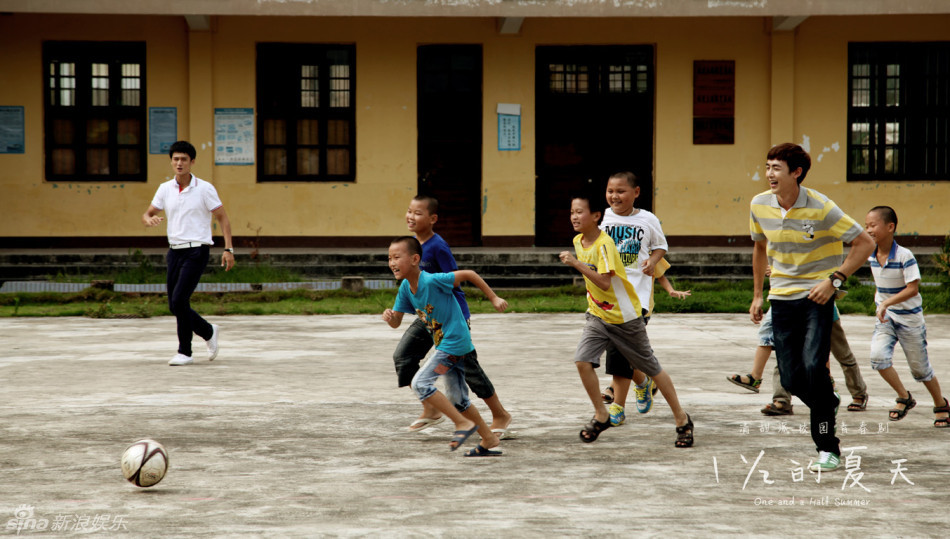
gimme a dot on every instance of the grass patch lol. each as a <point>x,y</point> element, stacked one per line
<point>719,297</point>
<point>139,269</point>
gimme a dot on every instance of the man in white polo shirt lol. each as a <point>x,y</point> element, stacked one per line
<point>189,203</point>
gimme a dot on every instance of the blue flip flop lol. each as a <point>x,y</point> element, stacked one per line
<point>480,451</point>
<point>461,436</point>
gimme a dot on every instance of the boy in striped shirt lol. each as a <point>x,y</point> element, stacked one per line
<point>900,316</point>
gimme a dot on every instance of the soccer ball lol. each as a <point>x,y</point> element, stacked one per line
<point>144,463</point>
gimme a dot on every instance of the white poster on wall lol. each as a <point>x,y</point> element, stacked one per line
<point>234,136</point>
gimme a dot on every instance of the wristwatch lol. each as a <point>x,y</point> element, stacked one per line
<point>837,279</point>
<point>229,250</point>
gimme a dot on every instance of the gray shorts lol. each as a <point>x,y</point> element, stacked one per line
<point>629,338</point>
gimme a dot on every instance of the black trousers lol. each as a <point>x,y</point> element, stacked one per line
<point>802,332</point>
<point>185,267</point>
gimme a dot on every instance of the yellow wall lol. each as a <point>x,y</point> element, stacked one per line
<point>700,190</point>
<point>821,100</point>
<point>32,206</point>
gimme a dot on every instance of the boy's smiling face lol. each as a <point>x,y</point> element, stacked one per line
<point>879,231</point>
<point>621,196</point>
<point>418,218</point>
<point>581,217</point>
<point>401,263</point>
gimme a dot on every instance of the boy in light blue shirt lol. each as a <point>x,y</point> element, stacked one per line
<point>430,297</point>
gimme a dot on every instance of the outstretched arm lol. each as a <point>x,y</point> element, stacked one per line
<point>461,276</point>
<point>668,286</point>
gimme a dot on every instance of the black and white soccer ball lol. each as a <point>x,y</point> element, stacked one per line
<point>145,463</point>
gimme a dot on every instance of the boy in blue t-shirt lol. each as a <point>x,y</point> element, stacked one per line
<point>429,295</point>
<point>416,342</point>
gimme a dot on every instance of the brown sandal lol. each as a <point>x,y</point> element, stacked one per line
<point>592,430</point>
<point>942,422</point>
<point>684,434</point>
<point>899,414</point>
<point>777,408</point>
<point>860,404</point>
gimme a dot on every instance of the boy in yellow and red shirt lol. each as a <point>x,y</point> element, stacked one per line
<point>614,316</point>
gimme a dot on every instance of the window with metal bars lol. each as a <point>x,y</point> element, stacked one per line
<point>899,111</point>
<point>306,112</point>
<point>94,111</point>
<point>607,78</point>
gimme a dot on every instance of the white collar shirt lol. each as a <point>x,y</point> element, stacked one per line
<point>187,211</point>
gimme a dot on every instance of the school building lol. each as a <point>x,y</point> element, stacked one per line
<point>318,120</point>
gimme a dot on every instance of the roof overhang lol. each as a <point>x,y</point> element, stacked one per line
<point>513,9</point>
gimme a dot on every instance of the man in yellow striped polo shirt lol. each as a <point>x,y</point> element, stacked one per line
<point>799,233</point>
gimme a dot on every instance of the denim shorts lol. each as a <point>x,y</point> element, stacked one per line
<point>913,341</point>
<point>415,345</point>
<point>452,370</point>
<point>765,330</point>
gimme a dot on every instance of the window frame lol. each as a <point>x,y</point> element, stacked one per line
<point>281,90</point>
<point>896,101</point>
<point>83,54</point>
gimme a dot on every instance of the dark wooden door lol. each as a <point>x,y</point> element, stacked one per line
<point>594,118</point>
<point>450,137</point>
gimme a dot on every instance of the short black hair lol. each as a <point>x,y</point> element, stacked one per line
<point>793,155</point>
<point>595,202</point>
<point>432,203</point>
<point>887,213</point>
<point>627,176</point>
<point>183,146</point>
<point>412,244</point>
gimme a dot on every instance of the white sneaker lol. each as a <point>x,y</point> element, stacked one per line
<point>181,359</point>
<point>213,343</point>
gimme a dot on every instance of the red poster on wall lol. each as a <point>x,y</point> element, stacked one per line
<point>714,94</point>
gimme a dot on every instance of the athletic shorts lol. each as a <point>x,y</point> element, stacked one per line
<point>629,338</point>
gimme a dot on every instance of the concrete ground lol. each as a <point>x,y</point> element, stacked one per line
<point>298,430</point>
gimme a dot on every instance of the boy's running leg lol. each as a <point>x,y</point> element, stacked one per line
<point>489,438</point>
<point>684,425</point>
<point>409,353</point>
<point>453,370</point>
<point>753,380</point>
<point>590,383</point>
<point>941,413</point>
<point>665,383</point>
<point>482,387</point>
<point>841,350</point>
<point>463,424</point>
<point>914,343</point>
<point>882,353</point>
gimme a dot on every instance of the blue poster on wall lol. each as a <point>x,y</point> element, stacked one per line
<point>509,127</point>
<point>12,130</point>
<point>234,136</point>
<point>162,129</point>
